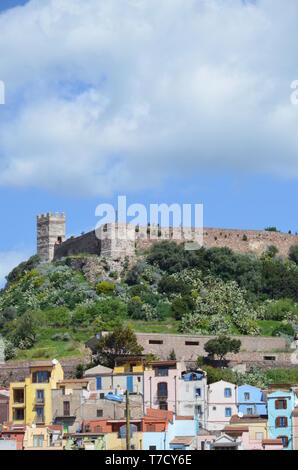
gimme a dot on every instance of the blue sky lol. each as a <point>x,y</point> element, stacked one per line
<point>107,98</point>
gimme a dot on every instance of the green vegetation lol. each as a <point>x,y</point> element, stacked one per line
<point>168,290</point>
<point>221,346</point>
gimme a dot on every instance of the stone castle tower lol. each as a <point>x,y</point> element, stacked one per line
<point>50,232</point>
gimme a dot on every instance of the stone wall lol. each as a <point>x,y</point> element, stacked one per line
<point>189,347</point>
<point>17,371</point>
<point>86,243</point>
<point>50,231</point>
<point>242,241</point>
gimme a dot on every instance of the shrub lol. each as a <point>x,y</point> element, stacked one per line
<point>285,329</point>
<point>105,287</point>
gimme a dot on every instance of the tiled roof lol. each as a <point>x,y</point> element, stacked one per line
<point>71,381</point>
<point>185,418</point>
<point>239,429</point>
<point>98,370</point>
<point>247,419</point>
<point>41,364</point>
<point>184,440</point>
<point>272,441</point>
<point>150,412</point>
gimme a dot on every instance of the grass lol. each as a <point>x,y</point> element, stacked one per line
<point>267,326</point>
<point>169,325</point>
<point>46,348</point>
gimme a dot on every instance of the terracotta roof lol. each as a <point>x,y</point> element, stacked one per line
<point>69,381</point>
<point>272,442</point>
<point>248,419</point>
<point>185,418</point>
<point>41,364</point>
<point>239,429</point>
<point>98,370</point>
<point>186,440</point>
<point>150,412</point>
<point>162,363</point>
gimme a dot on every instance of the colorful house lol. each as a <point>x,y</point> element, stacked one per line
<point>43,438</point>
<point>161,384</point>
<point>257,426</point>
<point>295,427</point>
<point>251,401</point>
<point>31,400</point>
<point>281,404</point>
<point>162,430</point>
<point>192,395</point>
<point>221,404</point>
<point>14,434</point>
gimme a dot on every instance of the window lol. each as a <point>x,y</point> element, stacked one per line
<point>214,408</point>
<point>162,371</point>
<point>259,436</point>
<point>66,408</point>
<point>39,415</point>
<point>139,379</point>
<point>250,411</point>
<point>199,409</point>
<point>18,414</point>
<point>40,377</point>
<point>192,343</point>
<point>38,441</point>
<point>40,396</point>
<point>285,440</point>
<point>18,395</point>
<point>280,404</point>
<point>163,406</point>
<point>281,422</point>
<point>246,396</point>
<point>152,447</point>
<point>198,392</point>
<point>228,392</point>
<point>162,391</point>
<point>228,412</point>
<point>99,413</point>
<point>101,396</point>
<point>269,358</point>
<point>155,341</point>
<point>203,445</point>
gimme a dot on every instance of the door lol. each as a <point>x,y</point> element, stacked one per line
<point>98,383</point>
<point>129,384</point>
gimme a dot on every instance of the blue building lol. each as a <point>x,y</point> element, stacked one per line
<point>180,434</point>
<point>280,407</point>
<point>251,401</point>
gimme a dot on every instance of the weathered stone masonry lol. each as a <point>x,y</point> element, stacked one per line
<point>120,240</point>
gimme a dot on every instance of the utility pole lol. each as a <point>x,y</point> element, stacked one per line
<point>127,421</point>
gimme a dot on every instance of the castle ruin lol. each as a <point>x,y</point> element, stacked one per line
<point>120,240</point>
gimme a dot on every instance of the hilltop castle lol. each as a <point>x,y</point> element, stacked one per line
<point>52,242</point>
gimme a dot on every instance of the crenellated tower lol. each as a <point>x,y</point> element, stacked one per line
<point>50,232</point>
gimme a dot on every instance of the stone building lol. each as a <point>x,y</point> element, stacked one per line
<point>50,233</point>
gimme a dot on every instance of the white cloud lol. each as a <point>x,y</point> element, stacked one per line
<point>8,261</point>
<point>119,95</point>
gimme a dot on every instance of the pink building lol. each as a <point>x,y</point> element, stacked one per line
<point>161,385</point>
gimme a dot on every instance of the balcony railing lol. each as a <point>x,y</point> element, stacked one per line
<point>39,420</point>
<point>162,397</point>
<point>39,400</point>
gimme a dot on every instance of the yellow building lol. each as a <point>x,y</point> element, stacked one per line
<point>257,426</point>
<point>130,365</point>
<point>114,442</point>
<point>31,401</point>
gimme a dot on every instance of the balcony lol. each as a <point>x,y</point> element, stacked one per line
<point>162,397</point>
<point>18,397</point>
<point>39,401</point>
<point>39,420</point>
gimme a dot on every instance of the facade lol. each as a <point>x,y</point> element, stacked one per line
<point>31,400</point>
<point>162,430</point>
<point>161,382</point>
<point>257,426</point>
<point>43,438</point>
<point>281,405</point>
<point>295,427</point>
<point>221,404</point>
<point>12,435</point>
<point>4,405</point>
<point>251,401</point>
<point>192,395</point>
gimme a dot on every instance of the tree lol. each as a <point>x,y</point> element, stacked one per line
<point>172,355</point>
<point>120,342</point>
<point>272,251</point>
<point>221,346</point>
<point>293,254</point>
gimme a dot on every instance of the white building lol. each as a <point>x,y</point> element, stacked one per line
<point>221,404</point>
<point>192,395</point>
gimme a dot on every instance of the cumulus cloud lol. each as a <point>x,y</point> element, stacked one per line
<point>121,95</point>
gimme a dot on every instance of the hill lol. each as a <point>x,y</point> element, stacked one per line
<point>51,309</point>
